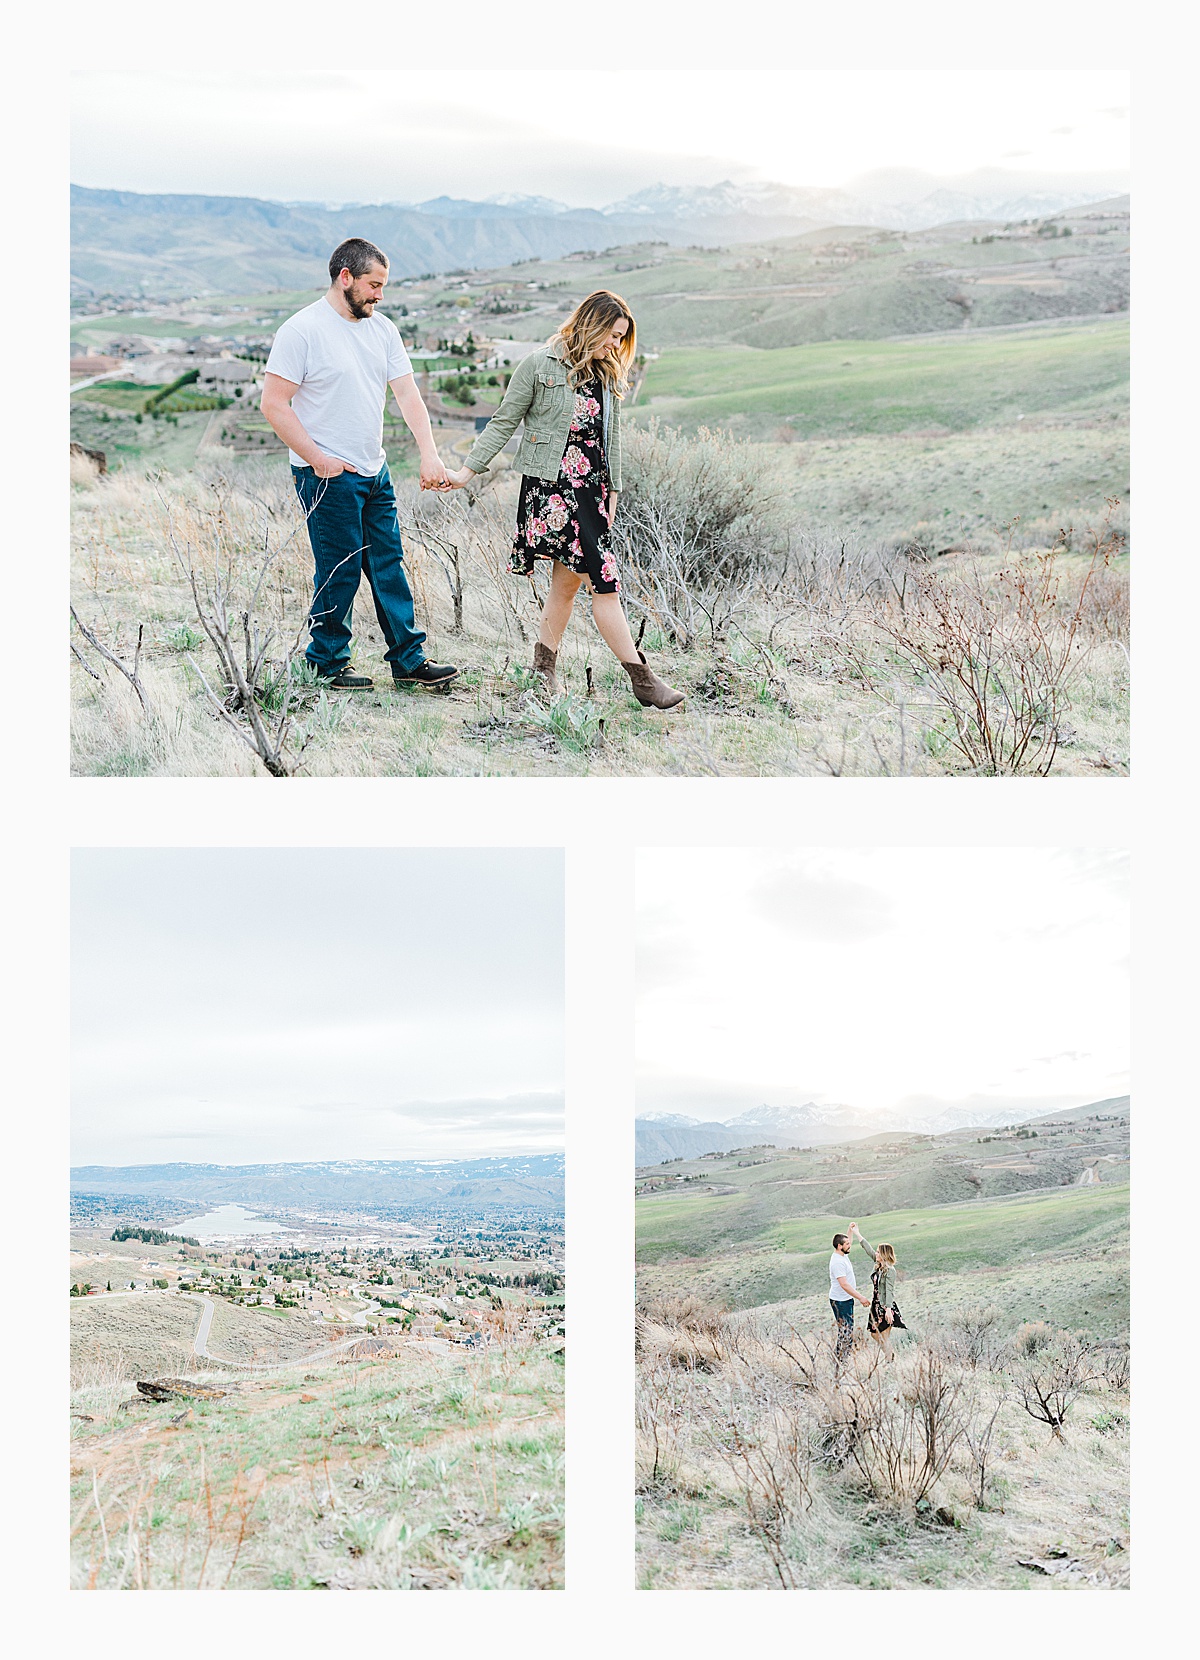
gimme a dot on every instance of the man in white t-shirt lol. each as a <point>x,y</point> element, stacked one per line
<point>843,1293</point>
<point>326,387</point>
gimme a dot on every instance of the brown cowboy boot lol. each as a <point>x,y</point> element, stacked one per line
<point>543,664</point>
<point>649,690</point>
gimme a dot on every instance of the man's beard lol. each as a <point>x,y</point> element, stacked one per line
<point>362,309</point>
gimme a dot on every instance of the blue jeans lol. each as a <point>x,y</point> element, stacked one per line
<point>843,1313</point>
<point>353,532</point>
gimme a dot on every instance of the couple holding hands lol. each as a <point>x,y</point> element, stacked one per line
<point>327,380</point>
<point>883,1317</point>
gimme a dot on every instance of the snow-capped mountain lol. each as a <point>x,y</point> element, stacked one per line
<point>670,1135</point>
<point>895,198</point>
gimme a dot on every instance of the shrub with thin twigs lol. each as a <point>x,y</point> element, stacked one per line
<point>260,693</point>
<point>979,1431</point>
<point>1000,650</point>
<point>972,1336</point>
<point>1112,1362</point>
<point>763,1437</point>
<point>699,522</point>
<point>1051,1379</point>
<point>902,1421</point>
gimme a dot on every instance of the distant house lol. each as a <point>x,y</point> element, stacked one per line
<point>91,363</point>
<point>222,373</point>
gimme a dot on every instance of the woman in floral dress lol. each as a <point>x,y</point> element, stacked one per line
<point>568,395</point>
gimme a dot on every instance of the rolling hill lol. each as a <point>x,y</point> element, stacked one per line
<point>749,1228</point>
<point>129,243</point>
<point>667,1136</point>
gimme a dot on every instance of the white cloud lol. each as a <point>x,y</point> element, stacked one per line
<point>387,135</point>
<point>990,970</point>
<point>270,999</point>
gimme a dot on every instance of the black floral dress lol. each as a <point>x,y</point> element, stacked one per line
<point>567,520</point>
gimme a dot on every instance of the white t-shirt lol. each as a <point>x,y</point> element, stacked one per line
<point>840,1269</point>
<point>342,370</point>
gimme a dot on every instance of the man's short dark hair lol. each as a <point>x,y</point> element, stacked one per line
<point>839,1239</point>
<point>357,256</point>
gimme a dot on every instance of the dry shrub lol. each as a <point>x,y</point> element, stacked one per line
<point>701,518</point>
<point>999,650</point>
<point>972,1337</point>
<point>1051,1379</point>
<point>763,1436</point>
<point>1111,1360</point>
<point>663,1412</point>
<point>1033,1336</point>
<point>84,471</point>
<point>979,1431</point>
<point>899,1422</point>
<point>685,1331</point>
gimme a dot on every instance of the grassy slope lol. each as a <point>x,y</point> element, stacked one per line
<point>423,1471</point>
<point>898,486</point>
<point>950,381</point>
<point>912,487</point>
<point>1061,1254</point>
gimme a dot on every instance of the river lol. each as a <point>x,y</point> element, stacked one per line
<point>224,1222</point>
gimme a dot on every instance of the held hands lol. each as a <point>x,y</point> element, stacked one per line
<point>456,480</point>
<point>433,473</point>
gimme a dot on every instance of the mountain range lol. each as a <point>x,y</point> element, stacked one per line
<point>128,243</point>
<point>673,1135</point>
<point>527,1182</point>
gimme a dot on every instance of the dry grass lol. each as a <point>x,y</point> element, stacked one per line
<point>787,666</point>
<point>413,1472</point>
<point>129,1337</point>
<point>762,1463</point>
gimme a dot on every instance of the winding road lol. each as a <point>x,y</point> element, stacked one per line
<point>201,1349</point>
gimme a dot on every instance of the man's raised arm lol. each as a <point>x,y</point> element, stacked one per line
<point>276,405</point>
<point>411,405</point>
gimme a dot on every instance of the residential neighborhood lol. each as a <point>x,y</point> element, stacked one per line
<point>447,1282</point>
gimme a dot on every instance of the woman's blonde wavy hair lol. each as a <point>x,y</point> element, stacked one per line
<point>582,335</point>
<point>887,1256</point>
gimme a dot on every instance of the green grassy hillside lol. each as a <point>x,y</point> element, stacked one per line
<point>1059,1256</point>
<point>690,1208</point>
<point>948,381</point>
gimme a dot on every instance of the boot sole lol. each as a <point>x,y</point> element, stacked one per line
<point>427,685</point>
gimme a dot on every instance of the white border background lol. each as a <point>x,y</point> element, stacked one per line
<point>600,822</point>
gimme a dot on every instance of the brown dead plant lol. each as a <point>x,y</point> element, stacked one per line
<point>999,650</point>
<point>263,679</point>
<point>1051,1379</point>
<point>899,1422</point>
<point>763,1437</point>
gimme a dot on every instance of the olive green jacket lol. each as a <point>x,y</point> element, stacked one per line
<point>539,395</point>
<point>885,1285</point>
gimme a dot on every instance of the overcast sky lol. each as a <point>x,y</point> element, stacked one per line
<point>891,979</point>
<point>405,135</point>
<point>243,1006</point>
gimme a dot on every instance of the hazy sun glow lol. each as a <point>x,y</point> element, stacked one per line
<point>880,977</point>
<point>389,135</point>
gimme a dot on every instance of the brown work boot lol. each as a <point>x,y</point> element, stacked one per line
<point>649,690</point>
<point>543,664</point>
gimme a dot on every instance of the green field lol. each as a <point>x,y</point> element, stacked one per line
<point>949,1254</point>
<point>949,382</point>
<point>118,394</point>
